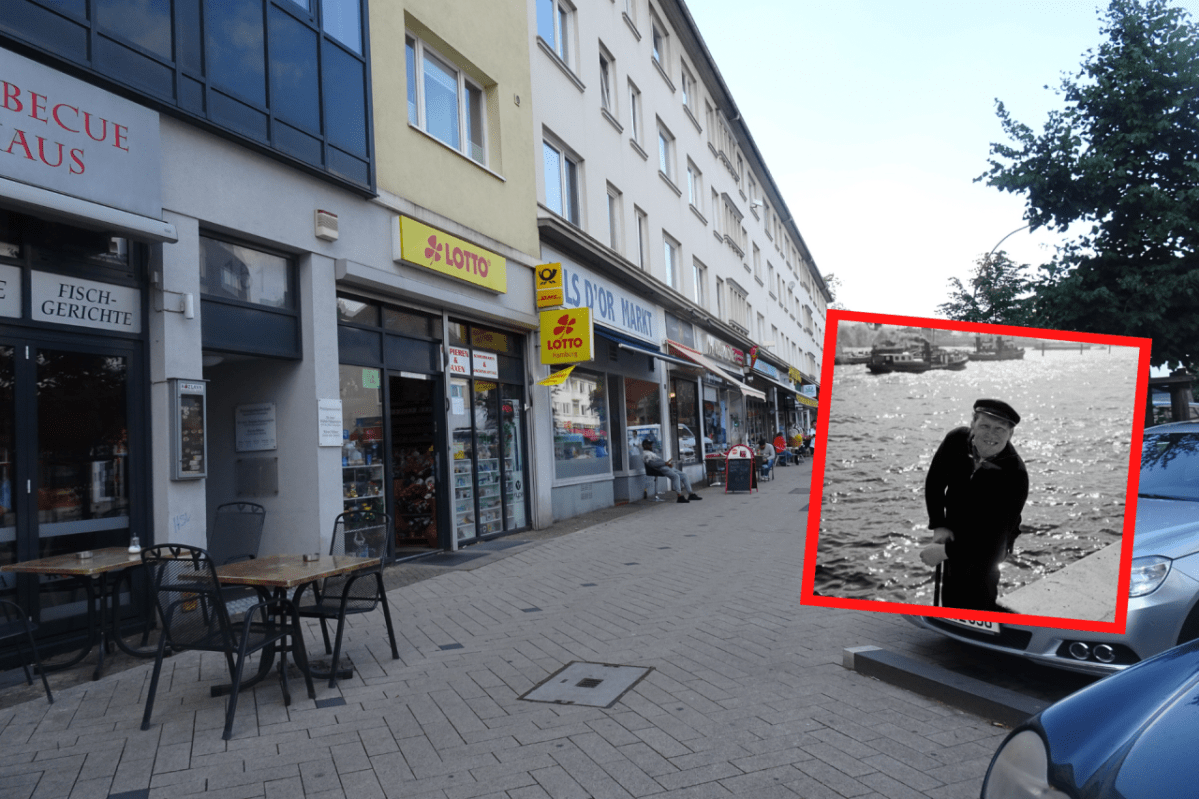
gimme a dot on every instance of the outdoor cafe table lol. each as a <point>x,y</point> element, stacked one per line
<point>94,573</point>
<point>280,574</point>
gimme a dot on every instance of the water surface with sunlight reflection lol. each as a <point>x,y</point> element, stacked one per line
<point>1077,412</point>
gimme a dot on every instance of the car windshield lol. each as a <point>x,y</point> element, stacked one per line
<point>1170,466</point>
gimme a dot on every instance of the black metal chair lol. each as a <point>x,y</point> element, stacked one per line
<point>18,628</point>
<point>192,608</point>
<point>354,533</point>
<point>236,532</point>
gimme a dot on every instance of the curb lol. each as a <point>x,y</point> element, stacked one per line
<point>936,682</point>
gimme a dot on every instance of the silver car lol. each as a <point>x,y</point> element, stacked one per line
<point>1164,586</point>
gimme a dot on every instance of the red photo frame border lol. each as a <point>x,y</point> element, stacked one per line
<point>807,589</point>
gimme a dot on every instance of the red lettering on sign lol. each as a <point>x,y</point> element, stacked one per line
<point>41,151</point>
<point>58,119</point>
<point>77,157</point>
<point>12,98</point>
<point>37,103</point>
<point>87,126</point>
<point>119,134</point>
<point>19,138</point>
<point>484,266</point>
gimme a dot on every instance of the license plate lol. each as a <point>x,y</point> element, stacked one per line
<point>989,627</point>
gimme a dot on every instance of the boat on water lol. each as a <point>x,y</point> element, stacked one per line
<point>888,357</point>
<point>852,355</point>
<point>997,350</point>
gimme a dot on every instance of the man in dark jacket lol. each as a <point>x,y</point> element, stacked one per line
<point>975,492</point>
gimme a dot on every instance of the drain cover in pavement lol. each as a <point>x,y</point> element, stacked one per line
<point>591,684</point>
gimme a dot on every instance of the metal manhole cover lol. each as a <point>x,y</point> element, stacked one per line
<point>591,684</point>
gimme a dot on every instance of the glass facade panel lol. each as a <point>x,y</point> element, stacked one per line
<point>684,410</point>
<point>362,438</point>
<point>487,460</point>
<point>358,312</point>
<point>462,453</point>
<point>234,272</point>
<point>512,440</point>
<point>146,23</point>
<point>410,71</point>
<point>295,78</point>
<point>8,513</point>
<point>581,427</point>
<point>236,54</point>
<point>342,19</point>
<point>345,100</point>
<point>553,178</point>
<point>411,323</point>
<point>474,122</point>
<point>642,416</point>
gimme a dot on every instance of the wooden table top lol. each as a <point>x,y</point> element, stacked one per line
<point>289,571</point>
<point>102,560</point>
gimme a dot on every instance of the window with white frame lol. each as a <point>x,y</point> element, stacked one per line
<point>642,238</point>
<point>738,306</point>
<point>761,328</point>
<point>753,194</point>
<point>710,121</point>
<point>695,186</point>
<point>670,253</point>
<point>774,337</point>
<point>555,24</point>
<point>720,299</point>
<point>561,182</point>
<point>659,40</point>
<point>770,277</point>
<point>665,151</point>
<point>757,262</point>
<point>699,276</point>
<point>634,113</point>
<point>630,10</point>
<point>717,213</point>
<point>444,102</point>
<point>615,239</point>
<point>607,68</point>
<point>688,88</point>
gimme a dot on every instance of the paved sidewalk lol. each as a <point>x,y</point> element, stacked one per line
<point>747,695</point>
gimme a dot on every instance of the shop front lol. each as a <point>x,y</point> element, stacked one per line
<point>607,406</point>
<point>75,222</point>
<point>433,406</point>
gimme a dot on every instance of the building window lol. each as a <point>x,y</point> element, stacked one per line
<point>665,152</point>
<point>614,236</point>
<point>720,299</point>
<point>341,19</point>
<point>695,186</point>
<point>717,215</point>
<point>555,24</point>
<point>757,262</point>
<point>248,300</point>
<point>659,40</point>
<point>233,272</point>
<point>770,277</point>
<point>643,418</point>
<point>671,254</point>
<point>634,113</point>
<point>684,412</point>
<point>581,433</point>
<point>443,102</point>
<point>700,277</point>
<point>607,74</point>
<point>642,238</point>
<point>761,328</point>
<point>688,88</point>
<point>561,183</point>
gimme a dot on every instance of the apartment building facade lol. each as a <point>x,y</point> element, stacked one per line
<point>653,195</point>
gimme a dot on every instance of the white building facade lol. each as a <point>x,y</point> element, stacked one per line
<point>650,183</point>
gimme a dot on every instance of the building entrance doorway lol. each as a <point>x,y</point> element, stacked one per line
<point>415,444</point>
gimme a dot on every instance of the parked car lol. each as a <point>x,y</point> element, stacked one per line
<point>1129,736</point>
<point>1163,604</point>
<point>687,442</point>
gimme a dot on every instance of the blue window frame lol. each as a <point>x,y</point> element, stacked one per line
<point>288,76</point>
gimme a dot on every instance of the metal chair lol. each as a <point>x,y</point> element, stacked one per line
<point>18,628</point>
<point>236,532</point>
<point>654,474</point>
<point>766,470</point>
<point>355,532</point>
<point>192,607</point>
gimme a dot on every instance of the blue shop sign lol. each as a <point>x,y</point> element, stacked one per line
<point>610,306</point>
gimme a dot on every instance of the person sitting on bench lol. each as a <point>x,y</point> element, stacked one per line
<point>656,467</point>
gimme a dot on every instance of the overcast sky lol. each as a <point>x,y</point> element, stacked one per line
<point>875,116</point>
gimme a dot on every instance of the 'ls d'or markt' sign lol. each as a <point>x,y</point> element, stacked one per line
<point>449,255</point>
<point>567,336</point>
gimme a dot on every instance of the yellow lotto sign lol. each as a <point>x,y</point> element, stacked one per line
<point>567,336</point>
<point>441,252</point>
<point>549,286</point>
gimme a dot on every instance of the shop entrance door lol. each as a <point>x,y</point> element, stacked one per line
<point>415,444</point>
<point>67,478</point>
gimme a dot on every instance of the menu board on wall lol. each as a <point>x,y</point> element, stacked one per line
<point>188,434</point>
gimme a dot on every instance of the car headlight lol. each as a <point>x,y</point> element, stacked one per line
<point>1147,574</point>
<point>1020,770</point>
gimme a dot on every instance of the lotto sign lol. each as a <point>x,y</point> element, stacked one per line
<point>550,291</point>
<point>458,258</point>
<point>567,336</point>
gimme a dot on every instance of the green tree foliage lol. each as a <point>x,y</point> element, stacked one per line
<point>1123,156</point>
<point>999,293</point>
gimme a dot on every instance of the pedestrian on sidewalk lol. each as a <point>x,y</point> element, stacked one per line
<point>654,465</point>
<point>975,491</point>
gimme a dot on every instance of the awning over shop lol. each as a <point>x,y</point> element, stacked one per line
<point>811,403</point>
<point>73,210</point>
<point>784,386</point>
<point>640,349</point>
<point>714,368</point>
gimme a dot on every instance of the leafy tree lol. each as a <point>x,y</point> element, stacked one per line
<point>833,284</point>
<point>1123,155</point>
<point>1000,293</point>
